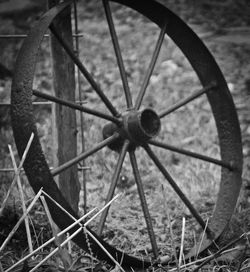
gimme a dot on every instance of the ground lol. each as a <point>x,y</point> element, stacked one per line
<point>227,36</point>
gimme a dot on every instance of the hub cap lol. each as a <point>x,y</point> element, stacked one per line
<point>136,126</point>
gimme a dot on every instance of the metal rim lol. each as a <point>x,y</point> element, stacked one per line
<point>125,130</point>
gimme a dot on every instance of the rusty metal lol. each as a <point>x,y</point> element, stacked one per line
<point>225,164</point>
<point>35,166</point>
<point>136,126</point>
<point>141,126</point>
<point>118,53</point>
<point>187,100</point>
<point>84,155</point>
<point>178,191</point>
<point>75,106</point>
<point>221,103</point>
<point>131,130</point>
<point>86,74</point>
<point>113,185</point>
<point>145,209</point>
<point>151,66</point>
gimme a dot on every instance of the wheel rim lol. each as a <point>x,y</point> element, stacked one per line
<point>129,130</point>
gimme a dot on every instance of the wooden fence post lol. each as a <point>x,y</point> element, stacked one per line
<point>65,118</point>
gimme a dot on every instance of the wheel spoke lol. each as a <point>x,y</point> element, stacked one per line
<point>178,190</point>
<point>84,155</point>
<point>191,154</point>
<point>144,203</point>
<point>76,106</point>
<point>113,185</point>
<point>118,53</point>
<point>151,67</point>
<point>185,101</point>
<point>85,72</point>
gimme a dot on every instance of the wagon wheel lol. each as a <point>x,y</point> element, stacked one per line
<point>135,128</point>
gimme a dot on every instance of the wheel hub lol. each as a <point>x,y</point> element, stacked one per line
<point>136,126</point>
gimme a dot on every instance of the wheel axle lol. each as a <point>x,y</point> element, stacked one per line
<point>137,126</point>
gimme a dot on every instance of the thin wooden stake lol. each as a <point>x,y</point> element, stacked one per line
<point>82,227</point>
<point>20,220</point>
<point>102,209</point>
<point>19,184</point>
<point>93,217</point>
<point>17,172</point>
<point>56,249</point>
<point>63,253</point>
<point>51,240</point>
<point>182,239</point>
<point>103,248</point>
<point>207,259</point>
<point>69,245</point>
<point>222,250</point>
<point>195,243</point>
<point>202,238</point>
<point>52,224</point>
